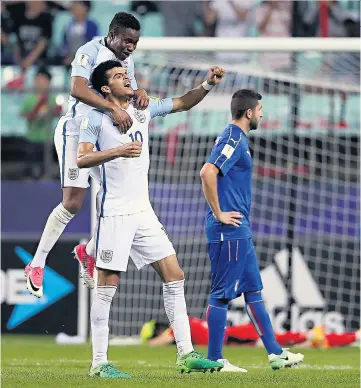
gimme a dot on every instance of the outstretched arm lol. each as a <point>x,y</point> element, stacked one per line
<point>195,96</point>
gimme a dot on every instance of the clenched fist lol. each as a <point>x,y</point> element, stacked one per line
<point>122,118</point>
<point>215,75</point>
<point>130,150</point>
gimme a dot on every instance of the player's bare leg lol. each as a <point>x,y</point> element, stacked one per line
<point>99,317</point>
<point>188,360</point>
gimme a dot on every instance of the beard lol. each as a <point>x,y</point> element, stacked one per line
<point>253,125</point>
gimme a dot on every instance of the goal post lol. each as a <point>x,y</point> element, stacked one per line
<point>165,44</point>
<point>305,209</point>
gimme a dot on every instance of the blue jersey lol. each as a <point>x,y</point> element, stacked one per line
<point>232,156</point>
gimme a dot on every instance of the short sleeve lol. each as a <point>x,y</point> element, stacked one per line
<point>90,127</point>
<point>84,60</point>
<point>131,74</point>
<point>227,150</point>
<point>160,107</point>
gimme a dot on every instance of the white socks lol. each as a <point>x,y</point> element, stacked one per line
<point>99,317</point>
<point>176,310</point>
<point>90,248</point>
<point>57,221</point>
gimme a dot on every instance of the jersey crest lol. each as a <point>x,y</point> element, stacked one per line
<point>139,115</point>
<point>106,256</point>
<point>73,173</point>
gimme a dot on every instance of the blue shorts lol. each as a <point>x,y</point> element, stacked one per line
<point>234,268</point>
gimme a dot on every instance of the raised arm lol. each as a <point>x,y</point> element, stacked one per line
<point>195,96</point>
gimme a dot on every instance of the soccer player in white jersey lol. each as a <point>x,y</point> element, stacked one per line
<point>127,224</point>
<point>121,41</point>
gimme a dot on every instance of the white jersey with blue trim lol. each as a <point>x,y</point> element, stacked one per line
<point>124,188</point>
<point>87,58</point>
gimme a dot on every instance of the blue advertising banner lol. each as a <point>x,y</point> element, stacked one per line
<point>322,208</point>
<point>56,311</point>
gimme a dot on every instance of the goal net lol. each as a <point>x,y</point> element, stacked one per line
<point>305,210</point>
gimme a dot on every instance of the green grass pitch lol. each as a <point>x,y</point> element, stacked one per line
<point>38,362</point>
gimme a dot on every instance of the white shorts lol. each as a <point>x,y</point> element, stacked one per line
<point>66,147</point>
<point>139,236</point>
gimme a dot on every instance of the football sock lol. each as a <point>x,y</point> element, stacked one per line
<point>99,318</point>
<point>176,310</point>
<point>90,248</point>
<point>217,320</point>
<point>57,221</point>
<point>258,314</point>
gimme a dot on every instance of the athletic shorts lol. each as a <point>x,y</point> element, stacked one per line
<point>234,268</point>
<point>66,147</point>
<point>139,236</point>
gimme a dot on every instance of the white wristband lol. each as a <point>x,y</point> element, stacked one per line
<point>207,86</point>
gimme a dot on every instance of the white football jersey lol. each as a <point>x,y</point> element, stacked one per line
<point>87,58</point>
<point>124,181</point>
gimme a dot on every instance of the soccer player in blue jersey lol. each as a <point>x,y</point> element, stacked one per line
<point>227,186</point>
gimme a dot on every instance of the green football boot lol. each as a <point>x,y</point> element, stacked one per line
<point>107,371</point>
<point>286,359</point>
<point>196,362</point>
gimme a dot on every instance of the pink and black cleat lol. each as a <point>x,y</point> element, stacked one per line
<point>34,280</point>
<point>87,264</point>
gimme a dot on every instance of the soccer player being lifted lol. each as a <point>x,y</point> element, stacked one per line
<point>121,41</point>
<point>227,186</point>
<point>127,225</point>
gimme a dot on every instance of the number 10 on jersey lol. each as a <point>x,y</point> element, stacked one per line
<point>137,136</point>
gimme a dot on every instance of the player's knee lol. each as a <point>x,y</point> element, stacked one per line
<point>180,275</point>
<point>73,198</point>
<point>174,276</point>
<point>253,296</point>
<point>73,204</point>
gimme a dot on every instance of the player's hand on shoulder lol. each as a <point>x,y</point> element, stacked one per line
<point>141,99</point>
<point>215,75</point>
<point>122,118</point>
<point>130,150</point>
<point>230,218</point>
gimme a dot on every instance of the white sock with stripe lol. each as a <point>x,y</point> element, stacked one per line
<point>57,221</point>
<point>99,317</point>
<point>176,310</point>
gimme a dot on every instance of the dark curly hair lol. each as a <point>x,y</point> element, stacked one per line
<point>123,20</point>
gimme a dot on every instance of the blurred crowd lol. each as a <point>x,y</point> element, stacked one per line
<point>27,27</point>
<point>27,41</point>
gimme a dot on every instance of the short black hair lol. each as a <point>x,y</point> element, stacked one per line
<point>123,20</point>
<point>99,76</point>
<point>44,71</point>
<point>242,100</point>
